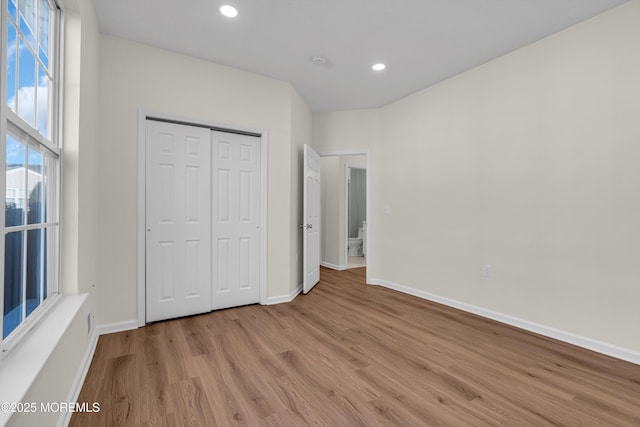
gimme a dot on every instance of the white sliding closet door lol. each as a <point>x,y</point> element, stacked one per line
<point>236,219</point>
<point>178,220</point>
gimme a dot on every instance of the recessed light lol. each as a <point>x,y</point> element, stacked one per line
<point>228,11</point>
<point>378,67</point>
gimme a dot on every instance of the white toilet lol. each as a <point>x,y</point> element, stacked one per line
<point>355,244</point>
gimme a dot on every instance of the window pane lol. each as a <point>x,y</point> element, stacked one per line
<point>43,32</point>
<point>34,182</point>
<point>15,201</point>
<point>34,269</point>
<point>12,282</point>
<point>43,102</point>
<point>11,66</point>
<point>12,9</point>
<point>26,84</point>
<point>28,20</point>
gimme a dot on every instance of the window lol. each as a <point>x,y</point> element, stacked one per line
<point>29,93</point>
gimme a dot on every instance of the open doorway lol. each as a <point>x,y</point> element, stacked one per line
<point>345,208</point>
<point>356,182</point>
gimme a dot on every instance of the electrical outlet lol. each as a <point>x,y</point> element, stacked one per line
<point>487,271</point>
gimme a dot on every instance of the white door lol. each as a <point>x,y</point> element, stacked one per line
<point>178,220</point>
<point>236,219</point>
<point>311,218</point>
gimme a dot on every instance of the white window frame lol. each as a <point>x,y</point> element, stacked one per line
<point>12,124</point>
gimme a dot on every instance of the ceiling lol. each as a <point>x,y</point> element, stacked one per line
<point>422,42</point>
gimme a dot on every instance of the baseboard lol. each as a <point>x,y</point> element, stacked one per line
<point>284,298</point>
<point>76,386</point>
<point>568,337</point>
<point>333,266</point>
<point>111,328</point>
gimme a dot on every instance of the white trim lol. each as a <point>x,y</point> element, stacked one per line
<point>21,126</point>
<point>567,337</point>
<point>370,220</point>
<point>333,266</point>
<point>285,298</point>
<point>264,207</point>
<point>263,134</point>
<point>347,189</point>
<point>81,375</point>
<point>369,230</point>
<point>140,241</point>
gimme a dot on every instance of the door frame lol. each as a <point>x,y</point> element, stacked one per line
<point>370,221</point>
<point>143,116</point>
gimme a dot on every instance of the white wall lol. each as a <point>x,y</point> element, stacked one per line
<point>80,148</point>
<point>528,163</point>
<point>135,76</point>
<point>89,160</point>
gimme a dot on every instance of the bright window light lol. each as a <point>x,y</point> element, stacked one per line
<point>379,67</point>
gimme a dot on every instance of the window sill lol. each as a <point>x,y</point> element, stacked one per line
<point>24,362</point>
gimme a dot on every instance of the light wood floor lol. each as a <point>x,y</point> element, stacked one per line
<point>351,354</point>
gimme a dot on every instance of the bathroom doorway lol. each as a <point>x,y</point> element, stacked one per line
<point>335,186</point>
<point>356,205</point>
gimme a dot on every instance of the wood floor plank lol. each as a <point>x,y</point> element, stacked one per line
<point>349,354</point>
